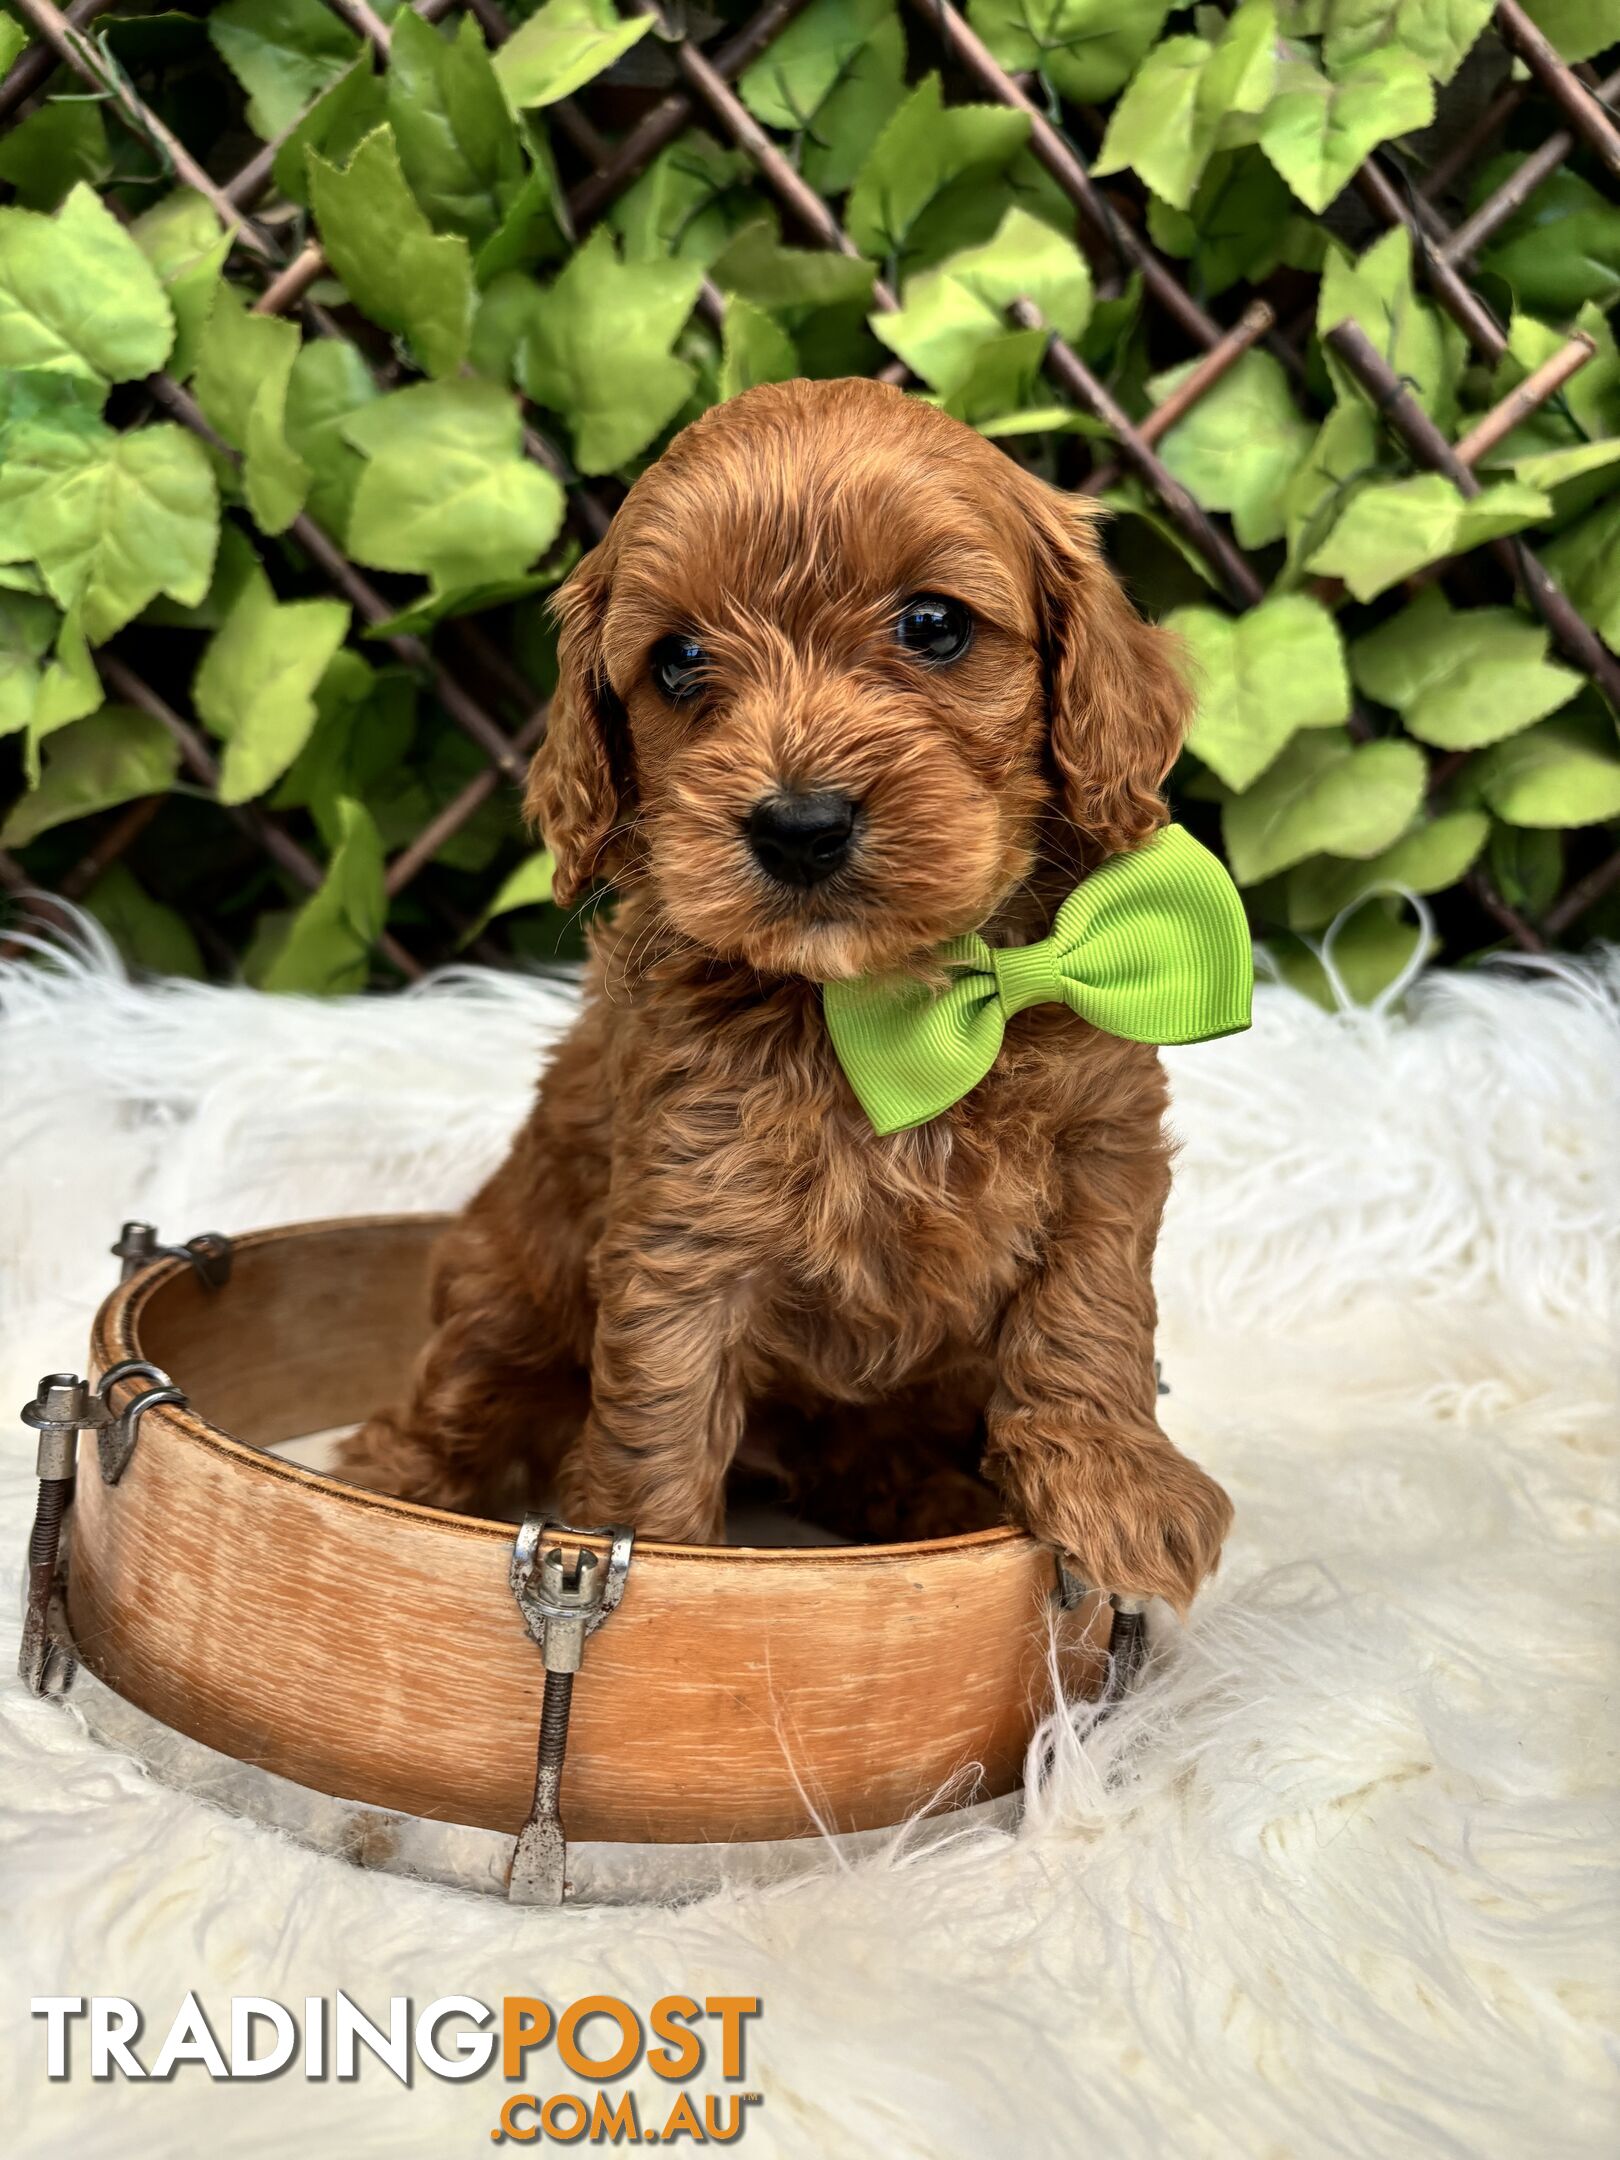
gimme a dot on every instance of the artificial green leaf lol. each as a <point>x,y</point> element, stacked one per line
<point>1261,677</point>
<point>1585,560</point>
<point>939,329</point>
<point>1185,96</point>
<point>1527,866</point>
<point>563,46</point>
<point>927,154</point>
<point>529,885</point>
<point>1561,248</point>
<point>689,202</point>
<point>1155,130</point>
<point>1430,857</point>
<point>34,397</point>
<point>235,561</point>
<point>780,279</point>
<point>1375,291</point>
<point>442,768</point>
<point>1368,954</point>
<point>445,603</point>
<point>61,142</point>
<point>114,757</point>
<point>1038,419</point>
<point>183,240</point>
<point>952,311</point>
<point>77,294</point>
<point>1172,556</point>
<point>364,720</point>
<point>1578,28</point>
<point>1322,796</point>
<point>834,77</point>
<point>1461,678</point>
<point>1440,33</point>
<point>1564,772</point>
<point>69,690</point>
<point>27,629</point>
<point>329,381</point>
<point>446,489</point>
<point>755,349</point>
<point>1025,259</point>
<point>1241,223</point>
<point>599,351</point>
<point>150,936</point>
<point>507,309</point>
<point>1344,454</point>
<point>1549,469</point>
<point>456,139</point>
<point>1391,528</point>
<point>1086,49</point>
<point>1240,445</point>
<point>1002,378</point>
<point>1588,405</point>
<point>395,267</point>
<point>111,520</point>
<point>283,53</point>
<point>336,125</point>
<point>534,227</point>
<point>1317,130</point>
<point>255,684</point>
<point>244,364</point>
<point>1241,76</point>
<point>327,946</point>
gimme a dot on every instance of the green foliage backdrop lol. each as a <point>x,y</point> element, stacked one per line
<point>246,758</point>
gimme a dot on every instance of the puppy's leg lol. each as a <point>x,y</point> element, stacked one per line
<point>1074,1438</point>
<point>495,1397</point>
<point>668,1396</point>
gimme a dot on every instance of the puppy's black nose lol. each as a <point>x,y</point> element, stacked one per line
<point>801,839</point>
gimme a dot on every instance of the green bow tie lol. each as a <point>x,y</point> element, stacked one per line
<point>1153,947</point>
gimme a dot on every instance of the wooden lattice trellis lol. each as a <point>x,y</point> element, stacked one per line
<point>501,717</point>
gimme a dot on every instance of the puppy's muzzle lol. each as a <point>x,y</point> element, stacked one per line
<point>801,839</point>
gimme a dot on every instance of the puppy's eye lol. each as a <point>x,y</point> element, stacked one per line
<point>934,628</point>
<point>677,665</point>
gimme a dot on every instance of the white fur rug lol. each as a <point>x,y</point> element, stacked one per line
<point>1339,1881</point>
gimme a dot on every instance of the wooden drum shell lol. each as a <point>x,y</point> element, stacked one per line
<point>372,1649</point>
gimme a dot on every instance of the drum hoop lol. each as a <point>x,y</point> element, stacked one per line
<point>461,1856</point>
<point>120,1315</point>
<point>561,1602</point>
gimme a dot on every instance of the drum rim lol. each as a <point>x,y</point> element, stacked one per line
<point>116,1332</point>
<point>467,1857</point>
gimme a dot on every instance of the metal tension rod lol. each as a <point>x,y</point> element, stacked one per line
<point>64,1406</point>
<point>561,1605</point>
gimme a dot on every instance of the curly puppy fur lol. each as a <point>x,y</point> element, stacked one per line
<point>697,1244</point>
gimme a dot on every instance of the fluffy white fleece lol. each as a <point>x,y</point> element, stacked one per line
<point>1339,1881</point>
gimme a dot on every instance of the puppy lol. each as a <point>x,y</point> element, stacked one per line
<point>841,683</point>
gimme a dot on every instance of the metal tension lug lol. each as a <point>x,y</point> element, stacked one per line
<point>64,1407</point>
<point>115,1440</point>
<point>562,1604</point>
<point>210,1253</point>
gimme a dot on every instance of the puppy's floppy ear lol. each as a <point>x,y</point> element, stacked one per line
<point>579,778</point>
<point>1118,701</point>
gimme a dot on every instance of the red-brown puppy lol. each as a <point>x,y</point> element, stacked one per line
<point>841,683</point>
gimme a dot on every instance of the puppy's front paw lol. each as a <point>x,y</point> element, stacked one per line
<point>1135,1516</point>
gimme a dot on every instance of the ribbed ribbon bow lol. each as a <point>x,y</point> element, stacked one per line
<point>1153,946</point>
